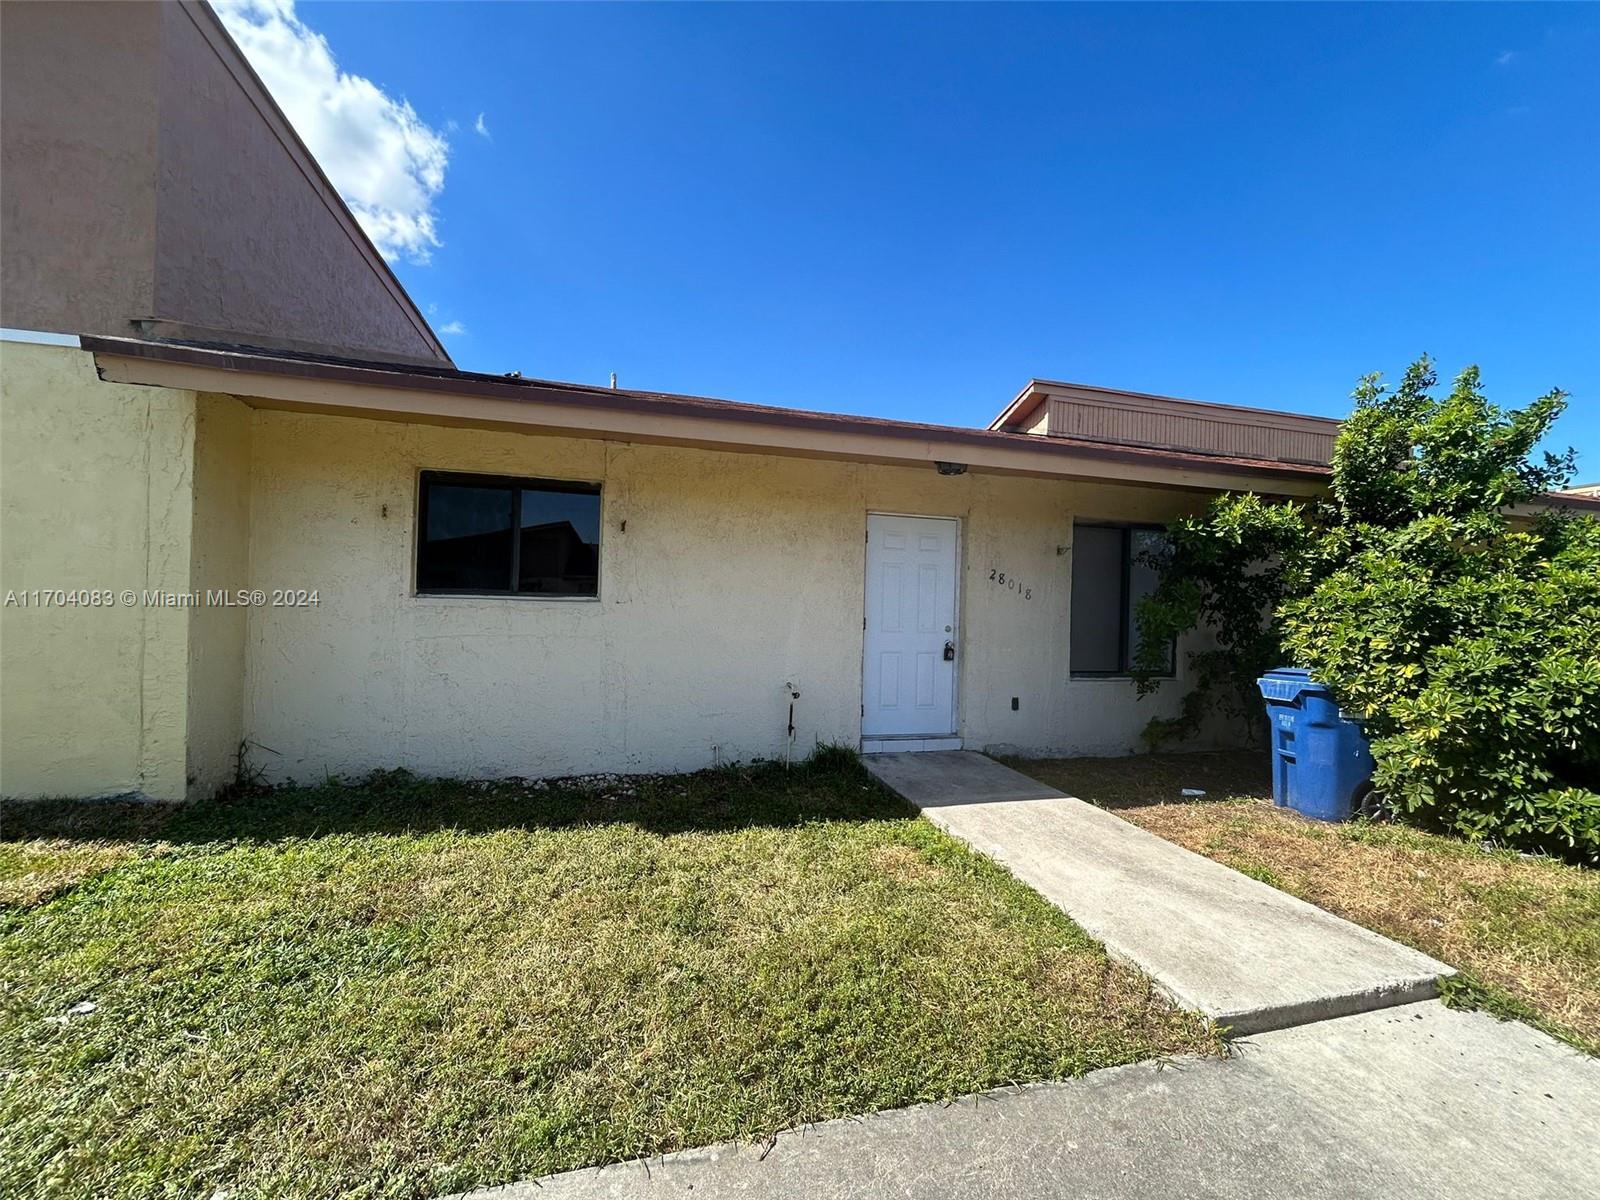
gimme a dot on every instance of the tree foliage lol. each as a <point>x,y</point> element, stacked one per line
<point>1466,637</point>
<point>1226,571</point>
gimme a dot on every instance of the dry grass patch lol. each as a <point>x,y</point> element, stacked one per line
<point>33,872</point>
<point>405,987</point>
<point>1525,931</point>
<point>89,837</point>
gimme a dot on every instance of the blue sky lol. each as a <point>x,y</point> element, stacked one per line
<point>908,211</point>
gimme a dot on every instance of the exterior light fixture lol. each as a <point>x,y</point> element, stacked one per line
<point>950,468</point>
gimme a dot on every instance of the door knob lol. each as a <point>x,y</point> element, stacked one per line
<point>949,652</point>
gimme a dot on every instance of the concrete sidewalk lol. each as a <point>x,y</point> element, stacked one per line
<point>1245,954</point>
<point>1405,1102</point>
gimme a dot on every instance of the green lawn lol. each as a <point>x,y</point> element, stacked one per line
<point>1524,931</point>
<point>408,987</point>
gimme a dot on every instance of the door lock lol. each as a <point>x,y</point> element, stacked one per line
<point>949,652</point>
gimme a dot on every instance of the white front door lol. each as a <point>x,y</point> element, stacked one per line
<point>908,687</point>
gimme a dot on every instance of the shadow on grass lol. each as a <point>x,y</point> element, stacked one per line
<point>830,786</point>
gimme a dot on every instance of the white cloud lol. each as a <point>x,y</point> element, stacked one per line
<point>483,130</point>
<point>1505,58</point>
<point>453,329</point>
<point>387,163</point>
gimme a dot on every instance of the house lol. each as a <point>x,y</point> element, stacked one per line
<point>252,511</point>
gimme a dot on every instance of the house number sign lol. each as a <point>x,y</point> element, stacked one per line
<point>1011,583</point>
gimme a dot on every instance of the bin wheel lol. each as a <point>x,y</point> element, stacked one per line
<point>1369,805</point>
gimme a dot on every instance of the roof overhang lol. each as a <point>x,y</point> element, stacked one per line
<point>1023,405</point>
<point>1569,501</point>
<point>425,395</point>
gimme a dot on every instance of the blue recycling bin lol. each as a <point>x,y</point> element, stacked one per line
<point>1321,763</point>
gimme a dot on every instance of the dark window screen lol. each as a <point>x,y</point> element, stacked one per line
<point>1096,600</point>
<point>1109,579</point>
<point>466,541</point>
<point>1142,580</point>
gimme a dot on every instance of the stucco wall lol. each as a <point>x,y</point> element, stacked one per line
<point>78,111</point>
<point>722,577</point>
<point>735,573</point>
<point>220,562</point>
<point>95,493</point>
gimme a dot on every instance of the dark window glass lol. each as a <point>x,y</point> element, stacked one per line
<point>467,542</point>
<point>1109,578</point>
<point>466,539</point>
<point>560,543</point>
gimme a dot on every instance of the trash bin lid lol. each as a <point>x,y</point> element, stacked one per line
<point>1288,684</point>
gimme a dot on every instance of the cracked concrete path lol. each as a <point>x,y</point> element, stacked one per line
<point>1240,952</point>
<point>1411,1101</point>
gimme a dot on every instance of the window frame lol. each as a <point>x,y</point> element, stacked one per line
<point>1125,647</point>
<point>515,484</point>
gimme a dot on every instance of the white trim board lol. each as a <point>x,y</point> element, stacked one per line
<point>40,337</point>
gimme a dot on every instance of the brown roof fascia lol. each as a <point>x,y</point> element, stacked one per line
<point>463,383</point>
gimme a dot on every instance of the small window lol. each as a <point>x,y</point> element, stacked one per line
<point>1109,578</point>
<point>484,535</point>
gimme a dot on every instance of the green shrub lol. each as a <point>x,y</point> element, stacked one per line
<point>1467,639</point>
<point>1475,663</point>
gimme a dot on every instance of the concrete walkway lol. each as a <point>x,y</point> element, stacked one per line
<point>1404,1102</point>
<point>1245,954</point>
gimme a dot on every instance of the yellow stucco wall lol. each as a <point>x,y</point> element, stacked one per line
<point>95,493</point>
<point>220,562</point>
<point>735,574</point>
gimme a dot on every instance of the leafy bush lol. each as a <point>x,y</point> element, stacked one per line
<point>1467,639</point>
<point>1475,663</point>
<point>1226,571</point>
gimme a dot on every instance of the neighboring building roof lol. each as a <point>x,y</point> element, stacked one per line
<point>1138,418</point>
<point>154,188</point>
